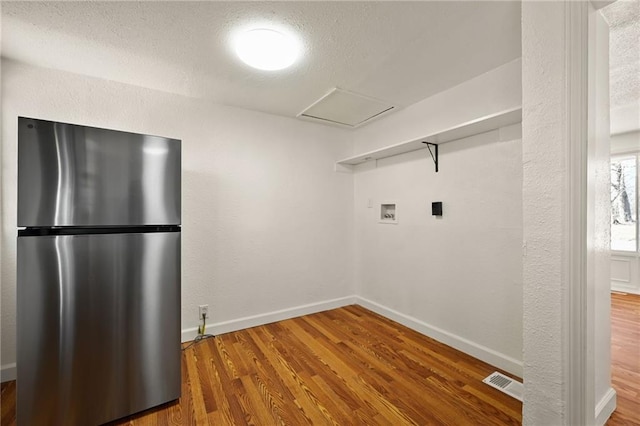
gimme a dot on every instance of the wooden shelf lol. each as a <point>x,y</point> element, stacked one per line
<point>474,127</point>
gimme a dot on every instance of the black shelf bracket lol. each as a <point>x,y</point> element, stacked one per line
<point>435,157</point>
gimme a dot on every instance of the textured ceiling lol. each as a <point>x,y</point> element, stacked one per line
<point>623,18</point>
<point>400,52</point>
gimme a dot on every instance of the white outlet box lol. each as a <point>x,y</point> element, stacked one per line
<point>388,213</point>
<point>203,310</point>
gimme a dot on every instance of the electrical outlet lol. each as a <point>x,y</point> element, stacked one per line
<point>203,310</point>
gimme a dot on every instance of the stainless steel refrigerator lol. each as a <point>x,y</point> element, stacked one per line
<point>98,273</point>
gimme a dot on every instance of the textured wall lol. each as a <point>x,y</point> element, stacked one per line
<point>266,221</point>
<point>460,274</point>
<point>565,186</point>
<point>544,149</point>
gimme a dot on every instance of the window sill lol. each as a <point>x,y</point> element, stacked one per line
<point>624,253</point>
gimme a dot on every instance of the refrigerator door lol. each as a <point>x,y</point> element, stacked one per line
<point>98,326</point>
<point>71,175</point>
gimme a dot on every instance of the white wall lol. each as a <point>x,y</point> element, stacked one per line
<point>457,278</point>
<point>625,272</point>
<point>545,180</point>
<point>563,263</point>
<point>267,223</point>
<point>625,119</point>
<point>625,142</point>
<point>495,91</point>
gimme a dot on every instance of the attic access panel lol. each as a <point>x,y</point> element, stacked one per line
<point>346,108</point>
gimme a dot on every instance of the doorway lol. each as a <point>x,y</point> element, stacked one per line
<point>623,18</point>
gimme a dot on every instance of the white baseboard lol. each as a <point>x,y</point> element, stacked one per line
<point>616,286</point>
<point>189,334</point>
<point>483,353</point>
<point>606,407</point>
<point>8,372</point>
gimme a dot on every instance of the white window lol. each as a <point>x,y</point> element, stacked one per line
<point>624,206</point>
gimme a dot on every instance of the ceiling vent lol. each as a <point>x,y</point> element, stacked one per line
<point>345,108</point>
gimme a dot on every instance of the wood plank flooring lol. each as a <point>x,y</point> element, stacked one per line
<point>347,366</point>
<point>625,356</point>
<point>350,366</point>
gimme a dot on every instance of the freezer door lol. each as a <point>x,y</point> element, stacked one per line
<point>71,175</point>
<point>98,326</point>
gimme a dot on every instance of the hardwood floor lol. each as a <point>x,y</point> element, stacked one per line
<point>351,366</point>
<point>625,355</point>
<point>8,403</point>
<point>347,366</point>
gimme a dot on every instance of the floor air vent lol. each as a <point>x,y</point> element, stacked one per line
<point>505,384</point>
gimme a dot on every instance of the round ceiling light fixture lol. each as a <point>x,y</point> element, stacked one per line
<point>267,49</point>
